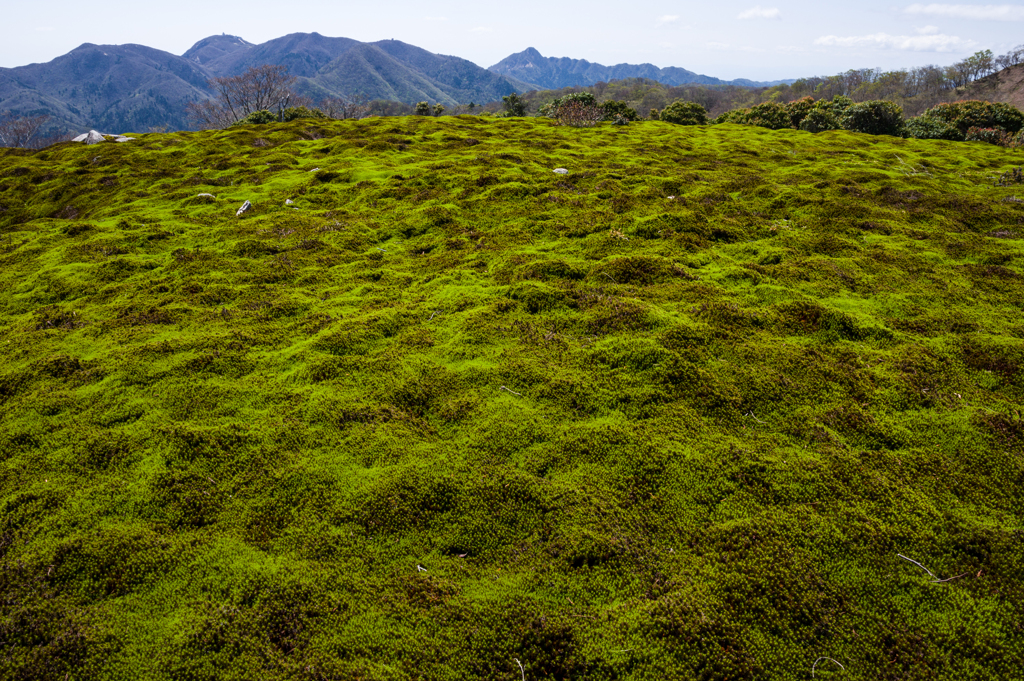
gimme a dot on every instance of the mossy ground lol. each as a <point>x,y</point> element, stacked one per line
<point>670,416</point>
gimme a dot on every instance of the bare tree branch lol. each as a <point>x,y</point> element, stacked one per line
<point>259,88</point>
<point>20,131</point>
<point>344,107</point>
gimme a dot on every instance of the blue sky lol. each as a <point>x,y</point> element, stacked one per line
<point>727,38</point>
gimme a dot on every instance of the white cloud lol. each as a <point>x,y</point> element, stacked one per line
<point>990,12</point>
<point>758,12</point>
<point>930,42</point>
<point>435,18</point>
<point>44,29</point>
<point>668,19</point>
<point>927,30</point>
<point>481,29</point>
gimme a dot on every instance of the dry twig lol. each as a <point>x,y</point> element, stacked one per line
<point>521,670</point>
<point>815,665</point>
<point>935,579</point>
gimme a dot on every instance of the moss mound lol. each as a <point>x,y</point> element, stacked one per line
<point>428,409</point>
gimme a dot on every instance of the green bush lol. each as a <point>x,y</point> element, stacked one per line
<point>423,108</point>
<point>931,128</point>
<point>975,113</point>
<point>877,117</point>
<point>818,120</point>
<point>296,112</point>
<point>738,116</point>
<point>261,117</point>
<point>515,106</point>
<point>619,111</point>
<point>996,136</point>
<point>771,115</point>
<point>799,109</point>
<point>836,106</point>
<point>685,113</point>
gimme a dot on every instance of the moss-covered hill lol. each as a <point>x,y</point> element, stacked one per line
<point>673,415</point>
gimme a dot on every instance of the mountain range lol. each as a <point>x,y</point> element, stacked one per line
<point>120,88</point>
<point>553,73</point>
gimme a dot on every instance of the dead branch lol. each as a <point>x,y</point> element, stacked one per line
<point>815,665</point>
<point>918,565</point>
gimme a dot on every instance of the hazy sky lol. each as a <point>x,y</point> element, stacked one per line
<point>727,38</point>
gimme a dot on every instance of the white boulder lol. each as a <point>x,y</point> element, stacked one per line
<point>91,137</point>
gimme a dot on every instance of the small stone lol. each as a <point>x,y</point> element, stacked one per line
<point>122,138</point>
<point>288,202</point>
<point>245,206</point>
<point>561,171</point>
<point>198,196</point>
<point>314,170</point>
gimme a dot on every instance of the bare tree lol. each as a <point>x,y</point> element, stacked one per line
<point>1011,58</point>
<point>260,87</point>
<point>344,107</point>
<point>21,131</point>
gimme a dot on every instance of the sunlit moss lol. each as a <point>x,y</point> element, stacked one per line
<point>429,407</point>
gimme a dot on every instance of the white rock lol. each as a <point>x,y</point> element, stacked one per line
<point>91,137</point>
<point>561,171</point>
<point>122,138</point>
<point>205,194</point>
<point>314,170</point>
<point>288,202</point>
<point>245,206</point>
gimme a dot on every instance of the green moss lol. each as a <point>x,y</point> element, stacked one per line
<point>674,414</point>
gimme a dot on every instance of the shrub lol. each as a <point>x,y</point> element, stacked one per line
<point>551,110</point>
<point>515,106</point>
<point>975,113</point>
<point>818,120</point>
<point>738,116</point>
<point>931,128</point>
<point>423,108</point>
<point>685,113</point>
<point>771,115</point>
<point>877,117</point>
<point>996,136</point>
<point>619,111</point>
<point>261,117</point>
<point>836,106</point>
<point>799,109</point>
<point>654,115</point>
<point>438,109</point>
<point>297,112</point>
<point>578,114</point>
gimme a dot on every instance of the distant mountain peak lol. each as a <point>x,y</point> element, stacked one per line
<point>208,49</point>
<point>559,72</point>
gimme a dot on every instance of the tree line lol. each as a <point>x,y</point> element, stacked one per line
<point>915,90</point>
